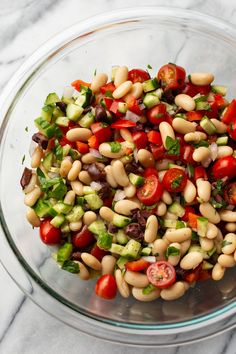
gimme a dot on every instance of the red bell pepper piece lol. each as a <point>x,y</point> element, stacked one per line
<point>140,140</point>
<point>133,105</point>
<point>101,131</point>
<point>154,137</point>
<point>77,84</point>
<point>109,87</point>
<point>230,113</point>
<point>83,148</point>
<point>200,172</point>
<point>93,142</point>
<point>123,123</point>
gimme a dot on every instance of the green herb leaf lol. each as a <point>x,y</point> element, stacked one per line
<point>195,236</point>
<point>177,182</point>
<point>26,129</point>
<point>71,266</point>
<point>108,94</point>
<point>149,66</point>
<point>218,205</point>
<point>173,146</point>
<point>172,251</point>
<point>201,143</point>
<point>219,186</point>
<point>180,224</point>
<point>226,243</point>
<point>58,151</point>
<point>148,289</point>
<point>95,72</point>
<point>201,99</point>
<point>23,160</point>
<point>115,146</point>
<point>190,170</point>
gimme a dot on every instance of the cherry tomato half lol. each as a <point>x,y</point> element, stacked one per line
<point>171,76</point>
<point>232,130</point>
<point>151,191</point>
<point>224,167</point>
<point>150,171</point>
<point>230,113</point>
<point>138,265</point>
<point>161,274</point>
<point>106,287</point>
<point>83,238</point>
<point>157,114</point>
<point>230,193</point>
<point>174,180</point>
<point>138,75</point>
<point>192,90</point>
<point>140,140</point>
<point>48,233</point>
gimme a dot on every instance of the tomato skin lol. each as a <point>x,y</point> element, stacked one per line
<point>150,171</point>
<point>188,209</point>
<point>192,220</point>
<point>159,152</point>
<point>136,266</point>
<point>230,113</point>
<point>108,102</point>
<point>186,153</point>
<point>171,76</point>
<point>140,140</point>
<point>154,137</point>
<point>194,116</point>
<point>224,167</point>
<point>114,108</point>
<point>123,123</point>
<point>174,176</point>
<point>106,287</point>
<point>63,141</point>
<point>200,172</point>
<point>70,126</point>
<point>232,130</point>
<point>49,234</point>
<point>133,105</point>
<point>219,100</point>
<point>83,238</point>
<point>161,274</point>
<point>98,252</point>
<point>83,148</point>
<point>108,87</point>
<point>230,193</point>
<point>102,133</point>
<point>157,114</point>
<point>151,191</point>
<point>138,75</point>
<point>77,83</point>
<point>192,90</point>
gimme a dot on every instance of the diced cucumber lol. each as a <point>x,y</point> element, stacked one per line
<point>206,265</point>
<point>75,214</point>
<point>150,100</point>
<point>49,130</point>
<point>121,262</point>
<point>222,90</point>
<point>170,223</point>
<point>88,190</point>
<point>131,250</point>
<point>46,113</point>
<point>80,200</point>
<point>222,140</point>
<point>74,154</point>
<point>207,125</point>
<point>121,237</point>
<point>47,161</point>
<point>136,180</point>
<point>73,111</point>
<point>104,240</point>
<point>94,201</point>
<point>65,228</point>
<point>146,251</point>
<point>202,226</point>
<point>64,252</point>
<point>62,208</point>
<point>57,112</point>
<point>43,208</point>
<point>211,252</point>
<point>202,105</point>
<point>66,150</point>
<point>87,120</point>
<point>177,209</point>
<point>122,107</point>
<point>97,227</point>
<point>120,220</point>
<point>57,221</point>
<point>118,249</point>
<point>51,99</point>
<point>67,100</point>
<point>150,85</point>
<point>62,121</point>
<point>181,115</point>
<point>180,224</point>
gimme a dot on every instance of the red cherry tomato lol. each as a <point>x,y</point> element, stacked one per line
<point>232,130</point>
<point>109,87</point>
<point>171,76</point>
<point>77,83</point>
<point>123,123</point>
<point>140,140</point>
<point>224,167</point>
<point>159,152</point>
<point>106,287</point>
<point>138,75</point>
<point>188,209</point>
<point>230,193</point>
<point>186,153</point>
<point>101,131</point>
<point>200,172</point>
<point>83,148</point>
<point>157,114</point>
<point>48,233</point>
<point>174,180</point>
<point>137,266</point>
<point>150,171</point>
<point>151,191</point>
<point>154,137</point>
<point>161,274</point>
<point>98,252</point>
<point>194,115</point>
<point>192,90</point>
<point>83,238</point>
<point>230,113</point>
<point>133,105</point>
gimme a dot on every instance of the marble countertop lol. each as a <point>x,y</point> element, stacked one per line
<point>24,26</point>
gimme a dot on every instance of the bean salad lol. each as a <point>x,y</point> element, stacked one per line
<point>134,179</point>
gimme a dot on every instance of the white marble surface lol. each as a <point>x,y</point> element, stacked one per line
<point>24,26</point>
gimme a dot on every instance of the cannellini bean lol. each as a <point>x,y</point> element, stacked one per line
<point>89,217</point>
<point>136,279</point>
<point>125,206</point>
<point>69,198</point>
<point>78,134</point>
<point>191,260</point>
<point>138,294</point>
<point>209,212</point>
<point>173,292</point>
<point>121,75</point>
<point>185,246</point>
<point>221,128</point>
<point>159,248</point>
<point>183,126</point>
<point>217,272</point>
<point>77,188</point>
<point>130,190</point>
<point>178,235</point>
<point>32,197</point>
<point>189,192</point>
<point>166,130</point>
<point>32,183</point>
<point>201,78</point>
<point>206,244</point>
<point>185,101</point>
<point>212,231</point>
<point>75,226</point>
<point>122,89</point>
<point>231,246</point>
<point>88,158</point>
<point>161,175</point>
<point>226,260</point>
<point>105,150</point>
<point>109,177</point>
<point>65,167</point>
<point>228,215</point>
<point>126,135</point>
<point>161,208</point>
<point>36,157</point>
<point>223,151</point>
<point>146,158</point>
<point>122,286</point>
<point>108,264</point>
<point>171,216</point>
<point>230,226</point>
<point>85,177</point>
<point>163,164</point>
<point>166,198</point>
<point>150,234</point>
<point>32,217</point>
<point>118,172</point>
<point>174,260</point>
<point>91,261</point>
<point>106,213</point>
<point>136,91</point>
<point>98,81</point>
<point>195,137</point>
<point>203,189</point>
<point>83,271</point>
<point>201,153</point>
<point>74,171</point>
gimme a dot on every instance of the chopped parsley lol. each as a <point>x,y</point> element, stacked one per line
<point>190,170</point>
<point>71,266</point>
<point>226,243</point>
<point>149,66</point>
<point>173,146</point>
<point>95,72</point>
<point>115,146</point>
<point>23,160</point>
<point>195,236</point>
<point>172,251</point>
<point>219,186</point>
<point>148,289</point>
<point>177,182</point>
<point>201,143</point>
<point>218,205</point>
<point>108,94</point>
<point>26,129</point>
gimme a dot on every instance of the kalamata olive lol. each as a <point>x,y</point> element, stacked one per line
<point>41,140</point>
<point>134,231</point>
<point>26,177</point>
<point>100,114</point>
<point>62,106</point>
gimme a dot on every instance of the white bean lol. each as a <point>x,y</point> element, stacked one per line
<point>223,151</point>
<point>174,260</point>
<point>171,216</point>
<point>106,213</point>
<point>75,225</point>
<point>32,197</point>
<point>185,246</point>
<point>69,198</point>
<point>195,137</point>
<point>109,176</point>
<point>138,280</point>
<point>125,206</point>
<point>89,217</point>
<point>83,271</point>
<point>203,189</point>
<point>122,89</point>
<point>191,260</point>
<point>201,154</point>
<point>221,128</point>
<point>32,183</point>
<point>159,248</point>
<point>218,242</point>
<point>183,126</point>
<point>77,188</point>
<point>126,135</point>
<point>201,79</point>
<point>150,233</point>
<point>140,296</point>
<point>166,198</point>
<point>163,164</point>
<point>212,231</point>
<point>36,157</point>
<point>108,264</point>
<point>121,75</point>
<point>74,171</point>
<point>161,209</point>
<point>121,284</point>
<point>88,158</point>
<point>65,167</point>
<point>226,260</point>
<point>166,130</point>
<point>105,150</point>
<point>228,215</point>
<point>161,175</point>
<point>98,81</point>
<point>85,177</point>
<point>78,134</point>
<point>230,226</point>
<point>189,192</point>
<point>178,235</point>
<point>206,244</point>
<point>185,101</point>
<point>32,218</point>
<point>217,272</point>
<point>91,261</point>
<point>146,158</point>
<point>230,240</point>
<point>119,173</point>
<point>209,212</point>
<point>130,190</point>
<point>136,91</point>
<point>173,292</point>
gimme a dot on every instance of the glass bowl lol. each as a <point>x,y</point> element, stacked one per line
<point>134,37</point>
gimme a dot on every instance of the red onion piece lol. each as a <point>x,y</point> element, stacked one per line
<point>95,153</point>
<point>68,92</point>
<point>214,150</point>
<point>119,195</point>
<point>132,117</point>
<point>150,259</point>
<point>95,186</point>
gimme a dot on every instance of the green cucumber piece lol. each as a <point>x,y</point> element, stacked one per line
<point>118,249</point>
<point>49,130</point>
<point>65,228</point>
<point>62,121</point>
<point>44,208</point>
<point>146,251</point>
<point>206,265</point>
<point>67,100</point>
<point>177,209</point>
<point>136,180</point>
<point>170,223</point>
<point>57,112</point>
<point>120,220</point>
<point>150,85</point>
<point>131,249</point>
<point>180,224</point>
<point>222,141</point>
<point>202,226</point>
<point>88,190</point>
<point>62,208</point>
<point>57,221</point>
<point>207,125</point>
<point>222,90</point>
<point>97,227</point>
<point>150,100</point>
<point>121,237</point>
<point>46,113</point>
<point>87,120</point>
<point>80,200</point>
<point>94,201</point>
<point>181,115</point>
<point>121,262</point>
<point>75,214</point>
<point>64,252</point>
<point>51,99</point>
<point>122,107</point>
<point>73,111</point>
<point>74,154</point>
<point>104,240</point>
<point>47,161</point>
